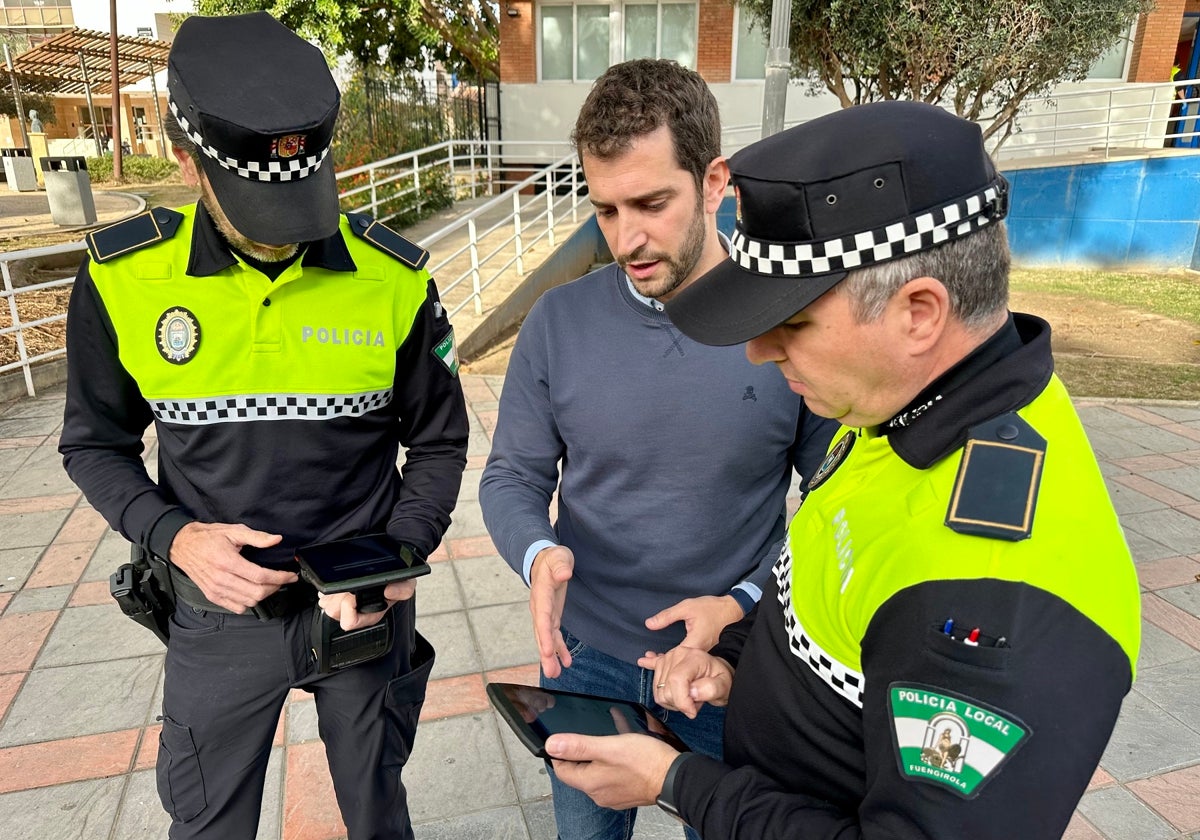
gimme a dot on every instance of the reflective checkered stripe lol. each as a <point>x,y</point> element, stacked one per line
<point>845,681</point>
<point>896,240</point>
<point>248,408</point>
<point>274,170</point>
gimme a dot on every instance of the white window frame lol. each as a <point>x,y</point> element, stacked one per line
<point>738,11</point>
<point>616,33</point>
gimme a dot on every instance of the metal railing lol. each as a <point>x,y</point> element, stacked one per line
<point>16,326</point>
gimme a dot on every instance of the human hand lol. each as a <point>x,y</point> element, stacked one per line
<point>552,568</point>
<point>703,618</point>
<point>208,553</point>
<point>685,679</point>
<point>342,607</point>
<point>616,771</point>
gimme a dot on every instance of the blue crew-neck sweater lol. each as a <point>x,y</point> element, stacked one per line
<point>672,460</point>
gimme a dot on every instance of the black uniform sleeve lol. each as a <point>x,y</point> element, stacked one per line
<point>433,429</point>
<point>813,435</point>
<point>104,420</point>
<point>1058,675</point>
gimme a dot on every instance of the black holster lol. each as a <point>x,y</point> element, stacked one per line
<point>142,587</point>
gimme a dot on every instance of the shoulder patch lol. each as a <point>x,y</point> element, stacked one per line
<point>949,740</point>
<point>387,240</point>
<point>995,493</point>
<point>130,234</point>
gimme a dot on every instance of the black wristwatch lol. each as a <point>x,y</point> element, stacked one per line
<point>666,796</point>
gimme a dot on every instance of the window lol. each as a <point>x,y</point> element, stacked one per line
<point>1111,63</point>
<point>577,41</point>
<point>752,42</point>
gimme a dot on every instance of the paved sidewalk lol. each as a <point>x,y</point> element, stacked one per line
<point>80,683</point>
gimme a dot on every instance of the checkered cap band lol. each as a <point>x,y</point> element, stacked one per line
<point>918,233</point>
<point>291,169</point>
<point>842,679</point>
<point>249,408</point>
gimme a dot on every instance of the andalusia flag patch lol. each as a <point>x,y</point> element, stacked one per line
<point>446,353</point>
<point>949,740</point>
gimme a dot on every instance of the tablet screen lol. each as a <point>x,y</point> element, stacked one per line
<point>356,558</point>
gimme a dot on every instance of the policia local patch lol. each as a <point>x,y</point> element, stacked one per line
<point>949,740</point>
<point>447,353</point>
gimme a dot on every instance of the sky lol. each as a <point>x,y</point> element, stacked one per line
<point>94,14</point>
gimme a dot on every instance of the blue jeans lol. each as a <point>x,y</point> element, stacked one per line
<point>593,672</point>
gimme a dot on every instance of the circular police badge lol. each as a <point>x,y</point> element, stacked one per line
<point>833,460</point>
<point>178,335</point>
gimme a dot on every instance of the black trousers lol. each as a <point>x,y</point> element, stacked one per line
<point>227,677</point>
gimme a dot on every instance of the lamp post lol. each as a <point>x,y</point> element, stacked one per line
<point>778,67</point>
<point>115,66</point>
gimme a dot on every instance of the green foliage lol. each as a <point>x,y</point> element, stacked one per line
<point>35,92</point>
<point>401,202</point>
<point>400,34</point>
<point>135,169</point>
<point>982,57</point>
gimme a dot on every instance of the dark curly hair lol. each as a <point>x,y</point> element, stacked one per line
<point>637,97</point>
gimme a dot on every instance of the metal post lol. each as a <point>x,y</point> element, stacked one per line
<point>1108,128</point>
<point>575,192</point>
<point>115,70</point>
<point>417,181</point>
<point>777,66</point>
<point>474,174</point>
<point>453,178</point>
<point>491,174</point>
<point>374,192</point>
<point>87,89</point>
<point>477,292</point>
<point>19,334</point>
<point>517,233</point>
<point>550,206</point>
<point>162,134</point>
<point>12,74</point>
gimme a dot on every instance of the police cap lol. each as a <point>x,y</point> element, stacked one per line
<point>260,104</point>
<point>853,188</point>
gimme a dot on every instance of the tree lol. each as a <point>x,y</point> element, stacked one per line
<point>401,34</point>
<point>982,57</point>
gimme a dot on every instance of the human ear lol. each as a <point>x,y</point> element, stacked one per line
<point>925,310</point>
<point>187,167</point>
<point>716,178</point>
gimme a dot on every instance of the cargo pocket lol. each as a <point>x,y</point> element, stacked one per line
<point>180,782</point>
<point>403,700</point>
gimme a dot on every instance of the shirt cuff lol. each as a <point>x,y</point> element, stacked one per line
<point>531,553</point>
<point>747,595</point>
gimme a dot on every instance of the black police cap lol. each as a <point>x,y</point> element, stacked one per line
<point>853,188</point>
<point>260,104</point>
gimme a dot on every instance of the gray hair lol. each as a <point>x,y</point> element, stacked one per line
<point>974,270</point>
<point>179,139</point>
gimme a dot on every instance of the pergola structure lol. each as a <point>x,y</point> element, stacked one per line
<point>79,61</point>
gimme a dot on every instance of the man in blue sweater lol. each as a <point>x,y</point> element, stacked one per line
<point>675,457</point>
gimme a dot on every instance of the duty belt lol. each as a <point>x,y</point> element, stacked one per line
<point>284,601</point>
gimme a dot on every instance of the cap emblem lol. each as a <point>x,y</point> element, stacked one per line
<point>287,146</point>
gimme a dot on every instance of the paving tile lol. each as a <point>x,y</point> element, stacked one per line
<point>1100,779</point>
<point>476,462</point>
<point>270,819</point>
<point>1156,439</point>
<point>1126,498</point>
<point>1159,647</point>
<point>90,594</point>
<point>1143,415</point>
<point>82,700</point>
<point>39,504</point>
<point>454,696</point>
<point>440,776</point>
<point>500,823</point>
<point>310,810</point>
<point>1175,687</point>
<point>5,597</point>
<point>301,721</point>
<point>147,753</point>
<point>438,591</point>
<point>470,485</point>
<point>19,427</point>
<point>10,684</point>
<point>1186,597</point>
<point>1080,829</point>
<point>112,551</point>
<point>1184,480</point>
<point>1118,814</point>
<point>528,771</point>
<point>39,600</point>
<point>62,563</point>
<point>1169,617</point>
<point>80,811</point>
<point>1170,571</point>
<point>1173,796</point>
<point>1147,740</point>
<point>1178,413</point>
<point>15,566</point>
<point>520,674</point>
<point>21,637</point>
<point>1111,447</point>
<point>83,525</point>
<point>478,546</point>
<point>1177,531</point>
<point>504,634</point>
<point>1147,463</point>
<point>466,521</point>
<point>35,528</point>
<point>68,760</point>
<point>450,635</point>
<point>539,817</point>
<point>43,481</point>
<point>142,814</point>
<point>489,580</point>
<point>1153,490</point>
<point>478,443</point>
<point>96,634</point>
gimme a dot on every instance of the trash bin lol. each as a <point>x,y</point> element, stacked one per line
<point>18,170</point>
<point>68,190</point>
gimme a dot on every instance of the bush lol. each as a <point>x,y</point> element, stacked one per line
<point>135,168</point>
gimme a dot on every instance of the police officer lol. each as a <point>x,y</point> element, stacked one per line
<point>283,352</point>
<point>947,655</point>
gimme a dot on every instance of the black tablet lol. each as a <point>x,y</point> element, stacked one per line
<point>358,563</point>
<point>537,713</point>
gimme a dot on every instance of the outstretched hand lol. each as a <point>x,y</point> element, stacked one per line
<point>703,618</point>
<point>548,576</point>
